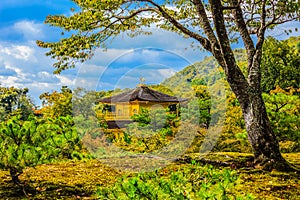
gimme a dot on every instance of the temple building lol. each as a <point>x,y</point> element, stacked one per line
<point>122,106</point>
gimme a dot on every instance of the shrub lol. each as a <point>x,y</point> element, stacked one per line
<point>191,182</point>
<point>143,118</point>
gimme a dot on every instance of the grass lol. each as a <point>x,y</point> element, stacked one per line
<point>266,185</point>
<point>63,180</point>
<point>80,179</point>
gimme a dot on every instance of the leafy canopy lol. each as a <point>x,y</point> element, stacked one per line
<point>14,101</point>
<point>281,64</point>
<point>94,23</point>
<point>57,104</point>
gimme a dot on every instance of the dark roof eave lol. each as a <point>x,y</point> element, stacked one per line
<point>142,94</point>
<point>175,101</point>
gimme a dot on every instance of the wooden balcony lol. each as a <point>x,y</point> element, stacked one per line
<point>112,116</point>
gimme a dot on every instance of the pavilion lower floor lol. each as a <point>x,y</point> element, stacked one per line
<point>116,124</point>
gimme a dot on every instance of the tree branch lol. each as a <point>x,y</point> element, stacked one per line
<point>262,29</point>
<point>230,7</point>
<point>135,13</point>
<point>254,74</point>
<point>234,74</point>
<point>242,27</point>
<point>204,21</point>
<point>159,10</point>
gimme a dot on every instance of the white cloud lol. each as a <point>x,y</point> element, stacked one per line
<point>89,70</point>
<point>6,71</point>
<point>166,73</point>
<point>8,81</point>
<point>105,57</point>
<point>65,80</point>
<point>161,39</point>
<point>29,29</point>
<point>24,65</point>
<point>150,55</point>
<point>152,73</point>
<point>18,51</point>
<point>46,77</point>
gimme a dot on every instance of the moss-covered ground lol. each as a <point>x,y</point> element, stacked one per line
<point>80,179</point>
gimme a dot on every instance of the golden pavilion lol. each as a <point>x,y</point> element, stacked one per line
<point>124,105</point>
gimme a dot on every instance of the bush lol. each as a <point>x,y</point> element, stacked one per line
<point>156,119</point>
<point>191,182</point>
<point>143,118</point>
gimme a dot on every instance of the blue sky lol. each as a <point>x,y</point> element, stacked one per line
<point>23,64</point>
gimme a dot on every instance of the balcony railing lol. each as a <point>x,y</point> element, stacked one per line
<point>113,116</point>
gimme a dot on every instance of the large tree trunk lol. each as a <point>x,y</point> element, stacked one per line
<point>248,91</point>
<point>261,136</point>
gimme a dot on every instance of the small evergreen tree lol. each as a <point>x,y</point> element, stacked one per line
<point>35,141</point>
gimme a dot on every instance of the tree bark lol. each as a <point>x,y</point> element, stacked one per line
<point>261,136</point>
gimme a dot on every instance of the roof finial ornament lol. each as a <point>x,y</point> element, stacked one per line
<point>142,81</point>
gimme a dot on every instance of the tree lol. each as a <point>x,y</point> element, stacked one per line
<point>57,104</point>
<point>283,108</point>
<point>84,102</point>
<point>27,143</point>
<point>14,101</point>
<point>213,24</point>
<point>203,100</point>
<point>280,64</point>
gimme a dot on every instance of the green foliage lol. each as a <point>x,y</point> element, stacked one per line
<point>57,104</point>
<point>158,119</point>
<point>192,182</point>
<point>151,130</point>
<point>243,137</point>
<point>142,139</point>
<point>87,111</point>
<point>83,125</point>
<point>155,119</point>
<point>68,179</point>
<point>142,118</point>
<point>81,179</point>
<point>199,108</point>
<point>14,101</point>
<point>234,122</point>
<point>200,73</point>
<point>34,141</point>
<point>163,119</point>
<point>207,22</point>
<point>280,64</point>
<point>284,112</point>
<point>85,102</point>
